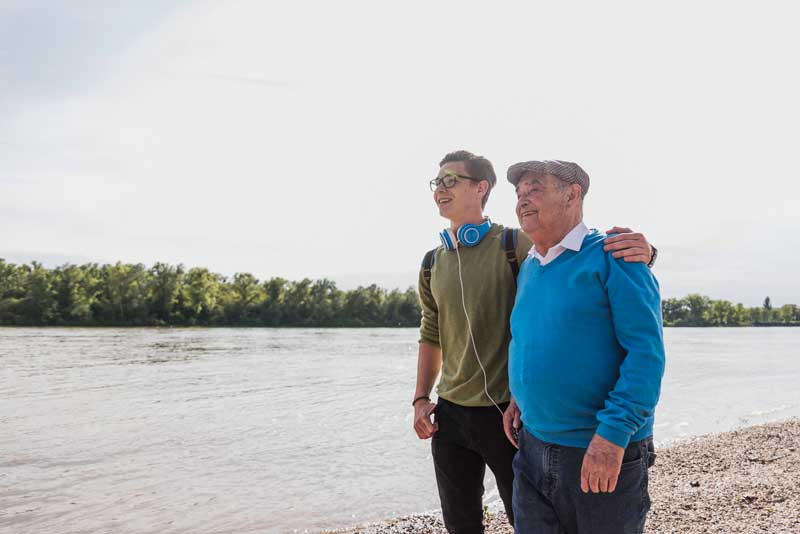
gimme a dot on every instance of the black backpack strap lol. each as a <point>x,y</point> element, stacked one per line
<point>427,265</point>
<point>510,246</point>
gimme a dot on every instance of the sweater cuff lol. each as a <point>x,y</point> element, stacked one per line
<point>615,436</point>
<point>430,341</point>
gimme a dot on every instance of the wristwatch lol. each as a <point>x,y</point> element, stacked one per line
<point>654,255</point>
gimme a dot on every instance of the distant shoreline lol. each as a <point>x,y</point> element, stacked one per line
<point>741,481</point>
<point>128,294</point>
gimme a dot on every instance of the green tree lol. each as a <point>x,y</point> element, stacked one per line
<point>272,309</point>
<point>675,312</point>
<point>326,302</point>
<point>767,314</point>
<point>124,299</point>
<point>166,283</point>
<point>245,295</point>
<point>698,306</point>
<point>721,313</point>
<point>364,306</point>
<point>402,308</point>
<point>76,294</point>
<point>40,305</point>
<point>13,281</point>
<point>788,313</point>
<point>298,303</point>
<point>201,292</point>
<point>741,315</point>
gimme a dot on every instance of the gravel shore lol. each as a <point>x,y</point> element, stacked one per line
<point>745,481</point>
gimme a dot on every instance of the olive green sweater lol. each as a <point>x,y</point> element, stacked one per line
<point>489,290</point>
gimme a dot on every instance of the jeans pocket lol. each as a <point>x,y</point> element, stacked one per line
<point>635,454</point>
<point>633,464</point>
<point>651,454</point>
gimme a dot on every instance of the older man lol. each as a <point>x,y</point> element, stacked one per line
<point>585,366</point>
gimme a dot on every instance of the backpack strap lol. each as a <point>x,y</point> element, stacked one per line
<point>509,241</point>
<point>510,246</point>
<point>427,265</point>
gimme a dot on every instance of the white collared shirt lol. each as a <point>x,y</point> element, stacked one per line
<point>572,241</point>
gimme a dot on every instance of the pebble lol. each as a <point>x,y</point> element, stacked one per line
<point>744,481</point>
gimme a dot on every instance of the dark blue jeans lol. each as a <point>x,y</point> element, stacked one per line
<point>548,498</point>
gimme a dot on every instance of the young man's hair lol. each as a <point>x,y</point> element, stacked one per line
<point>478,167</point>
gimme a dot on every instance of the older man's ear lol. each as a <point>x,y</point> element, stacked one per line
<point>575,193</point>
<point>630,245</point>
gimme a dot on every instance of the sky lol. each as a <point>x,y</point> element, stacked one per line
<point>297,139</point>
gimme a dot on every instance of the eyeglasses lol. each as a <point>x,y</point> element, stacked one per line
<point>449,180</point>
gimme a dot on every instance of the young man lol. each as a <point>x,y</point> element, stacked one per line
<point>467,288</point>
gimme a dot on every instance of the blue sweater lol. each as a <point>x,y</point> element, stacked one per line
<point>587,348</point>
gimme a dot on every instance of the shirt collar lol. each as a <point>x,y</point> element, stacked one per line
<point>572,241</point>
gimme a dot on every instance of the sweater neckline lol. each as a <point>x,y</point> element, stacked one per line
<point>568,253</point>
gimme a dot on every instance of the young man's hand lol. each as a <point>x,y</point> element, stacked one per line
<point>601,465</point>
<point>511,420</point>
<point>423,425</point>
<point>630,245</point>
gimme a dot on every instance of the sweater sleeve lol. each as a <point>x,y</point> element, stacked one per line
<point>429,325</point>
<point>635,303</point>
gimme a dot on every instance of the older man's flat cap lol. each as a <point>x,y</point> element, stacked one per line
<point>564,170</point>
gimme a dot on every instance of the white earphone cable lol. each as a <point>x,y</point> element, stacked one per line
<point>471,337</point>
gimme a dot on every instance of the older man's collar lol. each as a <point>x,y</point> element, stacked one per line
<point>574,239</point>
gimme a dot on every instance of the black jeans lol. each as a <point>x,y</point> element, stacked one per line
<point>467,441</point>
<point>548,497</point>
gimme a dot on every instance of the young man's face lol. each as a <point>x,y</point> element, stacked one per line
<point>460,199</point>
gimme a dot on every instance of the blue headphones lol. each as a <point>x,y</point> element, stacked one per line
<point>468,235</point>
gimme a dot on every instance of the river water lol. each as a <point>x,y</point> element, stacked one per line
<point>281,430</point>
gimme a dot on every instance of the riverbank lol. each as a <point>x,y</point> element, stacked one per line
<point>744,481</point>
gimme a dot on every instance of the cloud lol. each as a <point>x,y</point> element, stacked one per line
<point>243,137</point>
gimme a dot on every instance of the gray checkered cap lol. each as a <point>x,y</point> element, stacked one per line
<point>564,170</point>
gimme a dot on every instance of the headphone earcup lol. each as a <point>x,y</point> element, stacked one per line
<point>448,239</point>
<point>469,235</point>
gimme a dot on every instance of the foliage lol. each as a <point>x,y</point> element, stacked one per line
<point>699,310</point>
<point>132,294</point>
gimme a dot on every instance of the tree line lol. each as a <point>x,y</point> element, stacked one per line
<point>135,295</point>
<point>699,310</point>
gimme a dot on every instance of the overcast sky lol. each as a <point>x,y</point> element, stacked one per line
<point>296,139</point>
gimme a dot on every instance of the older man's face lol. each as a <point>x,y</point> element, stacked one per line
<point>541,203</point>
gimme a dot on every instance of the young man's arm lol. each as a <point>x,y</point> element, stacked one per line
<point>429,361</point>
<point>630,245</point>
